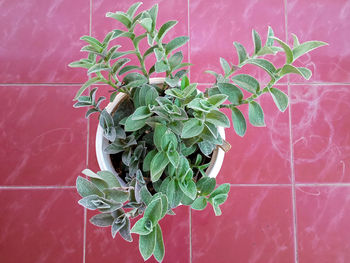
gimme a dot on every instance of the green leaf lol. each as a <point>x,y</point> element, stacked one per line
<point>159,131</point>
<point>287,50</point>
<point>288,69</point>
<point>218,118</point>
<point>140,113</point>
<point>206,185</point>
<point>200,203</point>
<point>102,220</point>
<point>167,138</point>
<point>125,230</point>
<point>134,79</point>
<point>133,8</point>
<point>159,54</point>
<point>147,244</point>
<point>93,42</point>
<point>147,161</point>
<point>153,211</point>
<point>158,164</point>
<point>175,59</point>
<point>206,147</point>
<point>176,43</point>
<point>239,122</point>
<point>280,99</point>
<point>174,193</point>
<point>242,53</point>
<point>217,100</point>
<point>85,86</point>
<point>225,66</point>
<point>257,41</point>
<point>189,188</point>
<point>159,248</point>
<point>235,95</point>
<point>264,64</point>
<point>145,195</point>
<point>146,23</point>
<point>221,189</point>
<point>81,64</point>
<point>121,17</point>
<point>86,188</point>
<point>127,69</point>
<point>295,41</point>
<point>153,12</point>
<point>109,178</point>
<point>161,66</point>
<point>117,194</point>
<point>305,47</point>
<point>164,29</point>
<point>256,114</point>
<point>142,227</point>
<point>120,63</point>
<point>269,40</point>
<point>134,125</point>
<point>192,128</point>
<point>98,68</point>
<point>247,82</point>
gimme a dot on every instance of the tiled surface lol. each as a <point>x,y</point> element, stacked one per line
<point>41,226</point>
<point>321,133</point>
<point>290,180</point>
<point>256,226</point>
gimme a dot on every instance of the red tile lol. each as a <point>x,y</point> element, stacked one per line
<point>263,154</point>
<point>320,128</point>
<point>325,21</point>
<point>40,38</point>
<point>100,246</point>
<point>255,226</point>
<point>43,138</point>
<point>168,10</point>
<point>214,25</point>
<point>323,218</point>
<point>43,225</point>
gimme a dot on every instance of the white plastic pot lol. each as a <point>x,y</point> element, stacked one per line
<point>104,159</point>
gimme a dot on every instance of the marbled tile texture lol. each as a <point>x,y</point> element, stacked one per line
<point>289,199</point>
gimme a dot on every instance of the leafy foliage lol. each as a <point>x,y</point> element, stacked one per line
<point>163,135</point>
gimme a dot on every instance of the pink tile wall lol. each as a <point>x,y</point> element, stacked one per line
<point>290,181</point>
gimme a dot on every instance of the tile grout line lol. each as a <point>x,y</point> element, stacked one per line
<point>190,235</point>
<point>87,148</point>
<point>38,187</point>
<point>294,215</point>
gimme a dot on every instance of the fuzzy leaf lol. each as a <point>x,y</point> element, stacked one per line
<point>288,69</point>
<point>165,28</point>
<point>121,17</point>
<point>200,203</point>
<point>280,99</point>
<point>153,211</point>
<point>176,43</point>
<point>192,128</point>
<point>86,188</point>
<point>257,41</point>
<point>147,244</point>
<point>159,248</point>
<point>206,185</point>
<point>159,131</point>
<point>102,220</point>
<point>142,227</point>
<point>217,100</point>
<point>217,118</point>
<point>242,53</point>
<point>85,86</point>
<point>287,50</point>
<point>134,125</point>
<point>247,82</point>
<point>234,94</point>
<point>147,161</point>
<point>117,194</point>
<point>305,47</point>
<point>158,164</point>
<point>256,114</point>
<point>239,122</point>
<point>189,188</point>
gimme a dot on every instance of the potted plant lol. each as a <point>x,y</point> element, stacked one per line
<point>160,142</point>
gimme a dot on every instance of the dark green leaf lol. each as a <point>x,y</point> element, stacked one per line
<point>134,125</point>
<point>159,248</point>
<point>200,203</point>
<point>159,131</point>
<point>158,164</point>
<point>206,185</point>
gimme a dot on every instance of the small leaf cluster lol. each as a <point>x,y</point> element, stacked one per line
<point>231,83</point>
<point>161,137</point>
